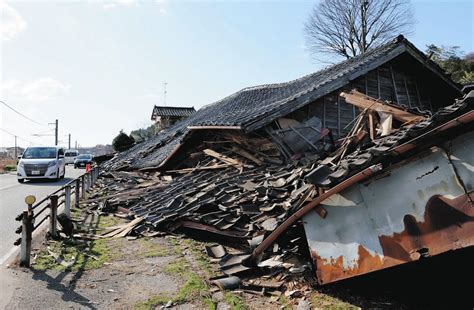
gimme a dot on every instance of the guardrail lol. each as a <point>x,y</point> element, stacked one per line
<point>77,188</point>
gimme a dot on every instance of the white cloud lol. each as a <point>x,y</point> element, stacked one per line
<point>163,11</point>
<point>38,90</point>
<point>11,22</point>
<point>117,3</point>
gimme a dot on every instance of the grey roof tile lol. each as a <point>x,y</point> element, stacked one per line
<point>258,103</point>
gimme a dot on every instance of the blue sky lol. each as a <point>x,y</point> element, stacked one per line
<point>99,66</point>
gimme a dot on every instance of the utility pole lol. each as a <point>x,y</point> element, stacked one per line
<point>56,134</point>
<point>69,142</point>
<point>76,145</point>
<point>16,154</point>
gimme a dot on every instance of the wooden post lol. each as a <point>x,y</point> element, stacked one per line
<point>88,181</point>
<point>83,187</point>
<point>93,175</point>
<point>67,201</point>
<point>78,192</point>
<point>96,174</point>
<point>52,215</point>
<point>26,233</point>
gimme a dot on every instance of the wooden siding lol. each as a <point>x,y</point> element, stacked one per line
<point>398,81</point>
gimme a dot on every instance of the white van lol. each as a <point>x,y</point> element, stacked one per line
<point>70,156</point>
<point>39,162</point>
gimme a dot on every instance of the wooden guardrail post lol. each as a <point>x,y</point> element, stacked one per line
<point>27,222</point>
<point>52,215</point>
<point>26,233</point>
<point>67,201</point>
<point>78,192</point>
<point>83,187</point>
<point>89,180</point>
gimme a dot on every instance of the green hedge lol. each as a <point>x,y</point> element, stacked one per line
<point>9,168</point>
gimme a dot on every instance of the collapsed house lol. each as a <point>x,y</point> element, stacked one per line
<point>366,164</point>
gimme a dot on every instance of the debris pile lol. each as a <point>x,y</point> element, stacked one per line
<point>239,189</point>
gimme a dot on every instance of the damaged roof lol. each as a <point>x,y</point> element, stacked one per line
<point>262,202</point>
<point>254,107</point>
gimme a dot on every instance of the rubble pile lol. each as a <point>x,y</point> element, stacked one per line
<point>238,189</point>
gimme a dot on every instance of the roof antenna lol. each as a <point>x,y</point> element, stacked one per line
<point>164,93</point>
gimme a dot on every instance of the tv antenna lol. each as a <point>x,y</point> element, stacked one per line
<point>164,92</point>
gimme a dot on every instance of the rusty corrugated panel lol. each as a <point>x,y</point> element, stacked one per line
<point>421,207</point>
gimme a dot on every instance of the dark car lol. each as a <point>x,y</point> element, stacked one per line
<point>82,160</point>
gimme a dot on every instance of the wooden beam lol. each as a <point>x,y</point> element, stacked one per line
<point>187,170</point>
<point>394,85</point>
<point>365,102</point>
<point>406,89</point>
<point>371,126</point>
<point>246,154</point>
<point>224,159</point>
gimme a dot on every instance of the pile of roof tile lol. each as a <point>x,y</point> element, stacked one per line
<point>237,189</point>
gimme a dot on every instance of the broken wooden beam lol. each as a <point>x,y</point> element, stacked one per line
<point>225,159</point>
<point>186,170</point>
<point>365,102</point>
<point>246,154</point>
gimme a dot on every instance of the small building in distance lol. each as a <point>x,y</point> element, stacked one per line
<point>165,116</point>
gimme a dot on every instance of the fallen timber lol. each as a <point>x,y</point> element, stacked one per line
<point>385,195</point>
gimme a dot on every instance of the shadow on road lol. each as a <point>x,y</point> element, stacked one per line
<point>89,223</point>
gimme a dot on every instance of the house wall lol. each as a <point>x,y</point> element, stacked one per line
<point>403,81</point>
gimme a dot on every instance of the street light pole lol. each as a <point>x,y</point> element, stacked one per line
<point>69,142</point>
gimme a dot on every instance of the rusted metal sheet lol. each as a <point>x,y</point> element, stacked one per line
<point>421,207</point>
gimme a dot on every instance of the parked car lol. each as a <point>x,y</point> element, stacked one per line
<point>38,162</point>
<point>82,160</point>
<point>70,156</point>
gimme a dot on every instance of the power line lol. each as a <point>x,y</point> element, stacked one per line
<point>19,137</point>
<point>19,113</point>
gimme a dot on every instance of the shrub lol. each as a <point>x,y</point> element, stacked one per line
<point>122,142</point>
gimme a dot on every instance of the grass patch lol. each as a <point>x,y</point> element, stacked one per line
<point>178,267</point>
<point>152,249</point>
<point>108,221</point>
<point>209,303</point>
<point>234,301</point>
<point>284,302</point>
<point>194,288</point>
<point>200,257</point>
<point>320,300</point>
<point>88,256</point>
<point>151,302</point>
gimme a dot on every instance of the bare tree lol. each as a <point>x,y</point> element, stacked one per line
<point>351,27</point>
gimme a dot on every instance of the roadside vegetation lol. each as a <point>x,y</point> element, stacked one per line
<point>7,165</point>
<point>180,260</point>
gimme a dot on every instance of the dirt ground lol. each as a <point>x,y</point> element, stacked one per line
<point>154,272</point>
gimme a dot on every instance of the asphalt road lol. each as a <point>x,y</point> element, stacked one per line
<point>12,203</point>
